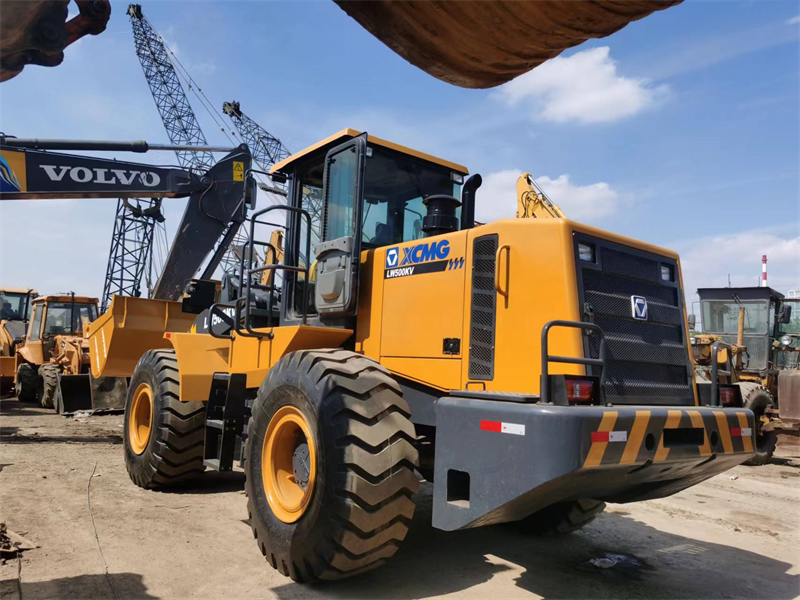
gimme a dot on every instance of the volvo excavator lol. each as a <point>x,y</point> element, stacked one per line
<point>51,362</point>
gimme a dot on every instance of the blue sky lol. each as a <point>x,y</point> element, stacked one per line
<point>682,129</point>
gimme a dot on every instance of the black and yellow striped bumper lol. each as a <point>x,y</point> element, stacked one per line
<point>501,461</point>
<point>664,435</point>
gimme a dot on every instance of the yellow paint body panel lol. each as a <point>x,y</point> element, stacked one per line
<point>129,328</point>
<point>8,366</point>
<point>201,355</point>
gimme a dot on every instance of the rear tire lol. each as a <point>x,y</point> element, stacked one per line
<point>49,375</point>
<point>757,398</point>
<point>359,504</point>
<point>170,449</point>
<point>27,385</point>
<point>561,518</point>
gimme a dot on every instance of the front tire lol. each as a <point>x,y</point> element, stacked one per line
<point>49,379</point>
<point>27,384</point>
<point>758,399</point>
<point>163,437</point>
<point>351,503</point>
<point>561,518</point>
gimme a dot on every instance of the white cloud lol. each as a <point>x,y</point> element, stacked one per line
<point>708,260</point>
<point>497,197</point>
<point>583,88</point>
<point>794,20</point>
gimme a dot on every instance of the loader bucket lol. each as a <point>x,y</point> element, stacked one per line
<point>74,393</point>
<point>84,392</point>
<point>129,328</point>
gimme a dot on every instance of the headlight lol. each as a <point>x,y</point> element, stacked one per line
<point>667,273</point>
<point>586,252</point>
<point>785,340</point>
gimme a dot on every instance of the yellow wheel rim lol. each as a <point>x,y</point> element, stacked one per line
<point>140,419</point>
<point>288,464</point>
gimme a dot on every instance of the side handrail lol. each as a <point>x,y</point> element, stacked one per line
<point>547,358</point>
<point>250,271</point>
<point>715,370</point>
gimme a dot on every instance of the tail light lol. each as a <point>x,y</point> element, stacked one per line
<point>727,396</point>
<point>579,390</point>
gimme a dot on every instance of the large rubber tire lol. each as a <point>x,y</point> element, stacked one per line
<point>561,518</point>
<point>49,380</point>
<point>757,398</point>
<point>361,502</point>
<point>174,449</point>
<point>27,385</point>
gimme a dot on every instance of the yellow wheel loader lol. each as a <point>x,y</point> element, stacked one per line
<point>15,311</point>
<point>531,369</point>
<point>52,361</point>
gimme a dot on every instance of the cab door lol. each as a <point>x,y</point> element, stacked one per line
<point>338,254</point>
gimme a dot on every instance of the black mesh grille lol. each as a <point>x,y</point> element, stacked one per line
<point>646,360</point>
<point>481,341</point>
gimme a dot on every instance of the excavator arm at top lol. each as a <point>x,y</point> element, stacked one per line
<point>218,199</point>
<point>472,44</point>
<point>533,203</point>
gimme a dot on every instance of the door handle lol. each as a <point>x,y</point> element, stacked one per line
<point>498,255</point>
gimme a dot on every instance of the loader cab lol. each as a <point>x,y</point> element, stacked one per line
<point>359,193</point>
<point>53,316</point>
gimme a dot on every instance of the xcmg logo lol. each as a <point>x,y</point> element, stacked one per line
<point>417,254</point>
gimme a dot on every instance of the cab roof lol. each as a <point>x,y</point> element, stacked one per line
<point>348,133</point>
<point>742,293</point>
<point>16,290</point>
<point>67,298</point>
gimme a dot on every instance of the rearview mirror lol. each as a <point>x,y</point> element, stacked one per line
<point>692,321</point>
<point>786,314</point>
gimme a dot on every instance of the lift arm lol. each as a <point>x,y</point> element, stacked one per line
<point>217,198</point>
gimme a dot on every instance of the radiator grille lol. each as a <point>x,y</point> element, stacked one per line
<point>482,319</point>
<point>646,360</point>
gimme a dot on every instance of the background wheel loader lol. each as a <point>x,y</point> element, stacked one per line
<point>52,361</point>
<point>532,369</point>
<point>15,311</point>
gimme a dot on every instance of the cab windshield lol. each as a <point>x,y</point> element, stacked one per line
<point>62,320</point>
<point>792,326</point>
<point>722,316</point>
<point>12,306</point>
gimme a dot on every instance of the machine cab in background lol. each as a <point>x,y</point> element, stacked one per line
<point>361,193</point>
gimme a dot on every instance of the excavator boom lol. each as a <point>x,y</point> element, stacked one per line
<point>217,198</point>
<point>533,203</point>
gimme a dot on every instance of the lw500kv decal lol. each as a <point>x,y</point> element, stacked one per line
<point>421,258</point>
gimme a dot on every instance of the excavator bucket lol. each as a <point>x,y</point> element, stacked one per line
<point>477,44</point>
<point>129,328</point>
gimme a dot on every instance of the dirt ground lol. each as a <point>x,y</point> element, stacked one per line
<point>734,536</point>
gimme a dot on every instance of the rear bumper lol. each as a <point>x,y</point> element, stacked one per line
<point>520,458</point>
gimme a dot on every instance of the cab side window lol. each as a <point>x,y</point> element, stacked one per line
<point>36,323</point>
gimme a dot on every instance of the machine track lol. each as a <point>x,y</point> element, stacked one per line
<point>362,504</point>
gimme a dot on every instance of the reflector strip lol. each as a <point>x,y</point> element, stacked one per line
<point>741,431</point>
<point>500,427</point>
<point>747,441</point>
<point>609,436</point>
